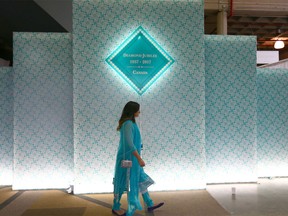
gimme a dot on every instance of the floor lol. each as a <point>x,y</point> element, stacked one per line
<point>267,197</point>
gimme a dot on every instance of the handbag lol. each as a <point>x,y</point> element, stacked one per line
<point>126,163</point>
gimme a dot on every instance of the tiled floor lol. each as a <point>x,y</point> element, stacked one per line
<point>268,197</point>
<point>60,203</point>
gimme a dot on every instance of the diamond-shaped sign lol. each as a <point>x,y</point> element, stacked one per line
<point>140,60</point>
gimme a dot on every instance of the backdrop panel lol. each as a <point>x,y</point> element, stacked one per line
<point>43,117</point>
<point>6,125</point>
<point>272,122</point>
<point>230,65</point>
<point>172,109</point>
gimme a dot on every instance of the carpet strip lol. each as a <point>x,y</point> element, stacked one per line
<point>104,204</point>
<point>10,200</point>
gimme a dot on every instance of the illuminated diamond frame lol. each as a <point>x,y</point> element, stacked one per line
<point>139,32</point>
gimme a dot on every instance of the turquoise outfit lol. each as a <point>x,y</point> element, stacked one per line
<point>130,140</point>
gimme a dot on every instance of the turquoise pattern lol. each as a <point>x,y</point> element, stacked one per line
<point>43,118</point>
<point>173,109</point>
<point>272,122</point>
<point>6,125</point>
<point>172,121</point>
<point>230,108</point>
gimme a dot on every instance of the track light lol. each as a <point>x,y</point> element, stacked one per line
<point>279,44</point>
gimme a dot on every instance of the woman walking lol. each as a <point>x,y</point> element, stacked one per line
<point>130,150</point>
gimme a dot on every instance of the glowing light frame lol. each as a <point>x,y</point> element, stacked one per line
<point>136,33</point>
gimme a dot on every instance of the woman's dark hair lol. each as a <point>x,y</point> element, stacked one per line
<point>128,113</point>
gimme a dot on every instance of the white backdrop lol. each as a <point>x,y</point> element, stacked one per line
<point>43,118</point>
<point>6,125</point>
<point>272,122</point>
<point>172,108</point>
<point>231,147</point>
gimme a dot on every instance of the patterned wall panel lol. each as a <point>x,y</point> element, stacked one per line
<point>172,109</point>
<point>230,65</point>
<point>272,122</point>
<point>43,116</point>
<point>6,125</point>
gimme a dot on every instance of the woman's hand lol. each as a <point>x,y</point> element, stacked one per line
<point>141,162</point>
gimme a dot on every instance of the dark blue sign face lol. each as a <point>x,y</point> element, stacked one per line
<point>140,60</point>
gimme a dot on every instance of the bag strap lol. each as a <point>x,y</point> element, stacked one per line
<point>123,143</point>
<point>124,152</point>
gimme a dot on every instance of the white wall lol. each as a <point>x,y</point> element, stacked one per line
<point>230,78</point>
<point>6,125</point>
<point>172,118</point>
<point>43,119</point>
<point>272,122</point>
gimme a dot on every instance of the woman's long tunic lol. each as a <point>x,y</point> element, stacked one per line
<point>130,140</point>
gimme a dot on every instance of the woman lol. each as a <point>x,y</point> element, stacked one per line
<point>130,149</point>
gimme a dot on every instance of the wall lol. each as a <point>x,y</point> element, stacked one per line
<point>43,120</point>
<point>172,109</point>
<point>6,126</point>
<point>230,65</point>
<point>272,122</point>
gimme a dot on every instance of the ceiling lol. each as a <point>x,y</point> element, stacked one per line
<point>23,16</point>
<point>265,19</point>
<point>262,18</point>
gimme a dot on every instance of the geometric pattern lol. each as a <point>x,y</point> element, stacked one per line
<point>6,125</point>
<point>172,120</point>
<point>272,122</point>
<point>43,118</point>
<point>230,108</point>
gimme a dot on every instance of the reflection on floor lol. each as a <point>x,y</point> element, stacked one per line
<point>268,197</point>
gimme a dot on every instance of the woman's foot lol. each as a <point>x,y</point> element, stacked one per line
<point>119,212</point>
<point>155,206</point>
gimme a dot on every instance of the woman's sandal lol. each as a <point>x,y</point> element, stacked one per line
<point>150,209</point>
<point>114,212</point>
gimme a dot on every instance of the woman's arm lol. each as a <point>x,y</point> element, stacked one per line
<point>140,160</point>
<point>128,138</point>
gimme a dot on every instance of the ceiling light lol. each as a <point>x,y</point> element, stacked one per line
<point>279,44</point>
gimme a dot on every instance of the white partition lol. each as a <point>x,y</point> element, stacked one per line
<point>272,122</point>
<point>230,65</point>
<point>43,118</point>
<point>172,109</point>
<point>6,125</point>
